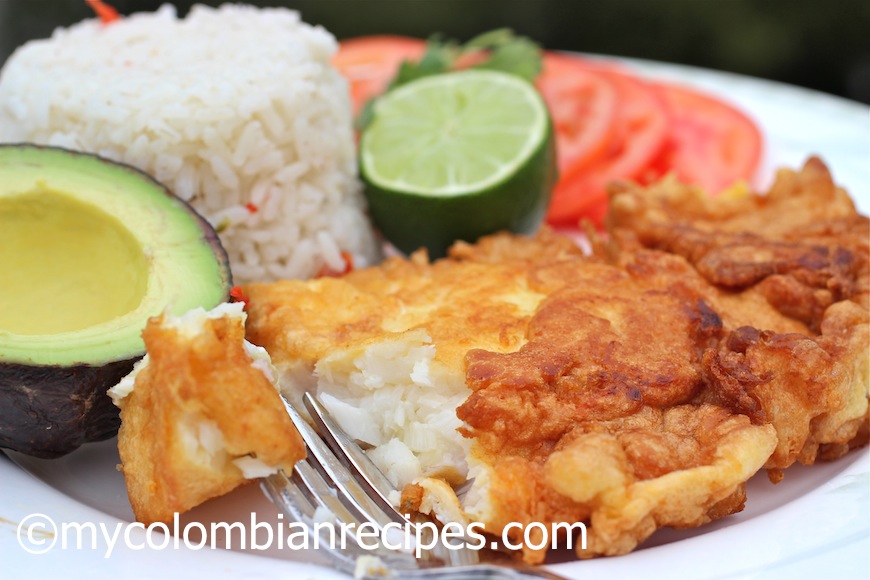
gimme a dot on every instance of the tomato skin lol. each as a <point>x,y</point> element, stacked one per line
<point>369,63</point>
<point>711,143</point>
<point>638,137</point>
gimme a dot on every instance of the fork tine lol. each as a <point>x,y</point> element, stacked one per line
<point>278,487</point>
<point>367,472</point>
<point>296,504</point>
<point>321,493</point>
<point>323,458</point>
<point>295,496</point>
<point>357,461</point>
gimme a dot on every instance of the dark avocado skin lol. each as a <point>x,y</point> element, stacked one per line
<point>48,411</point>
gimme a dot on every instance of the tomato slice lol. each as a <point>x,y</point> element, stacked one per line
<point>638,137</point>
<point>711,144</point>
<point>583,109</point>
<point>369,63</point>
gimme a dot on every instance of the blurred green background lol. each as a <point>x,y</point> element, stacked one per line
<point>819,44</point>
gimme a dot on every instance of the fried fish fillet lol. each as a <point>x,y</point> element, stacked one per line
<point>199,415</point>
<point>804,250</point>
<point>385,349</point>
<point>541,374</point>
<point>635,388</point>
<point>803,245</point>
<point>812,389</point>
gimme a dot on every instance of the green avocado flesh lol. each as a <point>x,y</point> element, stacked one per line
<point>75,265</point>
<point>89,250</point>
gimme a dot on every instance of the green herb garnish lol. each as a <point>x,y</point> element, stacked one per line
<point>500,50</point>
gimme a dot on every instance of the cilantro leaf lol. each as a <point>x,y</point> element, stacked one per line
<point>438,58</point>
<point>520,57</point>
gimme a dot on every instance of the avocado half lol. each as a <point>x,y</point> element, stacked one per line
<point>89,250</point>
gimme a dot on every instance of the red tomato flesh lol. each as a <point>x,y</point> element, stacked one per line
<point>638,137</point>
<point>583,109</point>
<point>711,143</point>
<point>369,63</point>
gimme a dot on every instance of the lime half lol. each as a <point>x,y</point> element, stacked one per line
<point>457,156</point>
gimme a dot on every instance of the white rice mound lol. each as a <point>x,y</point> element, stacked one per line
<point>237,110</point>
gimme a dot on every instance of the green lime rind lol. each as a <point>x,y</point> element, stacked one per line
<point>457,157</point>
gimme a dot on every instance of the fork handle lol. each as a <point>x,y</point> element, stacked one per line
<point>483,571</point>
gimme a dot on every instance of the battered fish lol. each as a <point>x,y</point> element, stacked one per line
<point>199,415</point>
<point>575,382</point>
<point>804,250</point>
<point>803,245</point>
<point>635,388</point>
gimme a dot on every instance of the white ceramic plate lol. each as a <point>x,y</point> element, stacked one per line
<point>816,523</point>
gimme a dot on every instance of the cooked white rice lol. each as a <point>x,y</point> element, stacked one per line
<point>236,109</point>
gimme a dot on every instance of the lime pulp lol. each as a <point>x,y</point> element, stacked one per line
<point>457,156</point>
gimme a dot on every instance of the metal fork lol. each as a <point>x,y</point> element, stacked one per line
<point>337,485</point>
